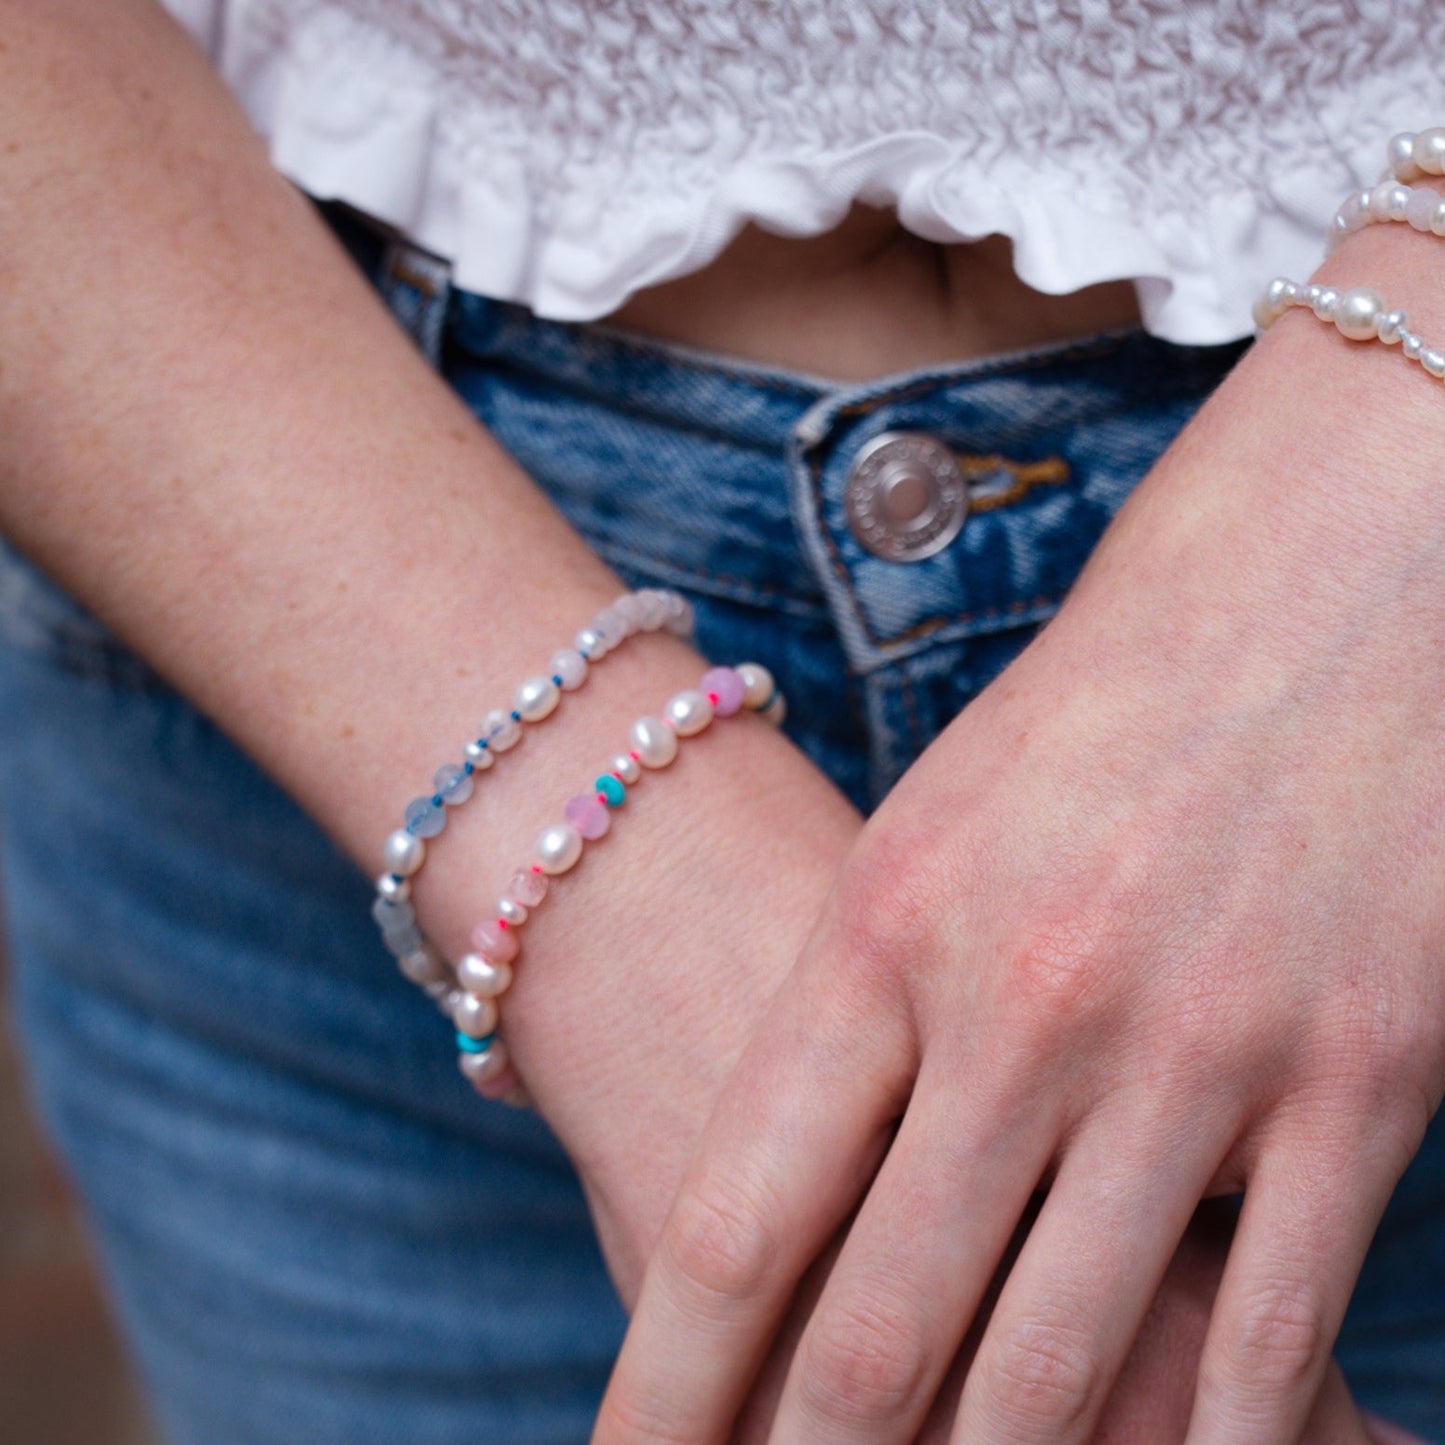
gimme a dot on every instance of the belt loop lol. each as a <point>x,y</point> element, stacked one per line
<point>417,285</point>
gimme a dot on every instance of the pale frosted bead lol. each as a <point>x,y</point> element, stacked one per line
<point>726,686</point>
<point>610,625</point>
<point>528,887</point>
<point>1355,212</point>
<point>1411,345</point>
<point>501,730</point>
<point>652,608</point>
<point>511,910</point>
<point>1401,151</point>
<point>758,684</point>
<point>391,916</point>
<point>423,966</point>
<point>590,817</point>
<point>425,818</point>
<point>1433,361</point>
<point>474,1016</point>
<point>1421,208</point>
<point>402,940</point>
<point>494,942</point>
<point>682,619</point>
<point>1389,327</point>
<point>478,1069</point>
<point>453,783</point>
<point>1326,299</point>
<point>627,768</point>
<point>1356,313</point>
<point>559,848</point>
<point>392,888</point>
<point>483,977</point>
<point>571,667</point>
<point>537,698</point>
<point>654,742</point>
<point>776,711</point>
<point>590,644</point>
<point>1428,150</point>
<point>403,853</point>
<point>439,992</point>
<point>479,757</point>
<point>687,712</point>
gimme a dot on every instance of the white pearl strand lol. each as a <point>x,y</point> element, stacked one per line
<point>1357,314</point>
<point>485,974</point>
<point>1411,155</point>
<point>404,851</point>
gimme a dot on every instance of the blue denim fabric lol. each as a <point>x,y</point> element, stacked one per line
<point>313,1229</point>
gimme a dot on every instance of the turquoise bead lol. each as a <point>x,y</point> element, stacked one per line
<point>612,790</point>
<point>468,1045</point>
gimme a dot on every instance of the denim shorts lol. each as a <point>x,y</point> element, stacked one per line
<point>312,1229</point>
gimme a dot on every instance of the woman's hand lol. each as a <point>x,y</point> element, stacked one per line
<point>1161,915</point>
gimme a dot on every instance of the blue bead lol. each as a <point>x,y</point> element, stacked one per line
<point>468,1045</point>
<point>557,678</point>
<point>516,716</point>
<point>468,769</point>
<point>612,791</point>
<point>426,817</point>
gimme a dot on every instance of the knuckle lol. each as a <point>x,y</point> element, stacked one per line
<point>1058,972</point>
<point>627,1420</point>
<point>1277,1340</point>
<point>1043,1379</point>
<point>719,1242</point>
<point>890,896</point>
<point>863,1363</point>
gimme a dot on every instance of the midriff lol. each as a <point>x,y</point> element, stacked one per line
<point>866,299</point>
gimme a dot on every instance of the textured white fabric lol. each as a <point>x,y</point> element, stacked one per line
<point>565,153</point>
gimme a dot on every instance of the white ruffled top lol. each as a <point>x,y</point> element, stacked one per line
<point>566,153</point>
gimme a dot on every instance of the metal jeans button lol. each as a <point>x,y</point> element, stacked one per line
<point>906,496</point>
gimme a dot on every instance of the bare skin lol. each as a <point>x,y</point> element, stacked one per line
<point>261,488</point>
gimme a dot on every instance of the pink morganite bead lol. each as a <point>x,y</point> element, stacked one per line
<point>527,887</point>
<point>588,814</point>
<point>493,941</point>
<point>728,686</point>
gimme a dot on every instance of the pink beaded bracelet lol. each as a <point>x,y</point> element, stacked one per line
<point>485,974</point>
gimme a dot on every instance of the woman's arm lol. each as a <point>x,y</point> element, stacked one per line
<point>217,439</point>
<point>1161,914</point>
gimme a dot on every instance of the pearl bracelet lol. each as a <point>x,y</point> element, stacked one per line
<point>1418,206</point>
<point>486,973</point>
<point>645,610</point>
<point>1358,314</point>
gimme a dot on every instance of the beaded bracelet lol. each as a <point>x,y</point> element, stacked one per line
<point>645,610</point>
<point>1358,314</point>
<point>486,973</point>
<point>1390,200</point>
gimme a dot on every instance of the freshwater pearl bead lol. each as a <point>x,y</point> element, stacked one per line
<point>392,888</point>
<point>501,730</point>
<point>758,684</point>
<point>537,698</point>
<point>687,712</point>
<point>776,711</point>
<point>528,887</point>
<point>474,1015</point>
<point>1437,219</point>
<point>1390,326</point>
<point>454,784</point>
<point>590,644</point>
<point>479,757</point>
<point>1401,151</point>
<point>588,815</point>
<point>1428,150</point>
<point>480,1068</point>
<point>1355,212</point>
<point>1326,299</point>
<point>494,942</point>
<point>483,977</point>
<point>1411,345</point>
<point>423,966</point>
<point>654,742</point>
<point>404,853</point>
<point>1433,361</point>
<point>559,848</point>
<point>1356,313</point>
<point>627,768</point>
<point>508,908</point>
<point>571,667</point>
<point>439,992</point>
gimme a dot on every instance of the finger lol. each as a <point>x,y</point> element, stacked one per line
<point>1075,1301</point>
<point>916,1264</point>
<point>1299,1247</point>
<point>783,1160</point>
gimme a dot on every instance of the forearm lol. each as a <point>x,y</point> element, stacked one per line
<point>214,436</point>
